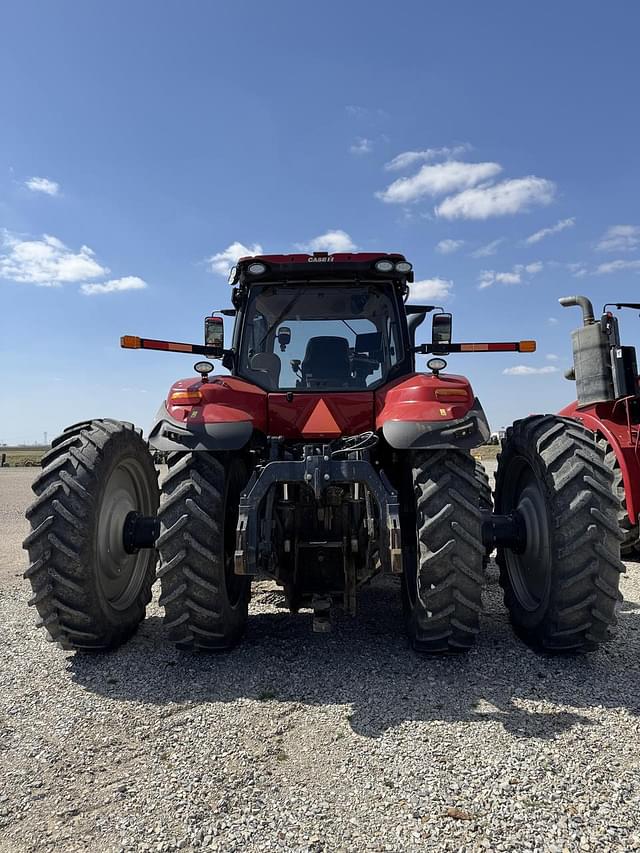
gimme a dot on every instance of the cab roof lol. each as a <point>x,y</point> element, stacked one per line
<point>319,265</point>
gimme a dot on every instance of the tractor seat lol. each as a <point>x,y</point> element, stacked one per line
<point>326,362</point>
<point>269,365</point>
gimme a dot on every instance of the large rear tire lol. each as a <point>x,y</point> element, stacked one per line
<point>89,591</point>
<point>630,544</point>
<point>443,552</point>
<point>561,590</point>
<point>205,602</point>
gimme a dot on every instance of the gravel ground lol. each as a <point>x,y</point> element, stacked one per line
<point>298,741</point>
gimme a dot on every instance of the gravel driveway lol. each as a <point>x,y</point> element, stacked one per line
<point>298,741</point>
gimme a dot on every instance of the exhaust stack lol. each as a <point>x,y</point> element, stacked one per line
<point>591,355</point>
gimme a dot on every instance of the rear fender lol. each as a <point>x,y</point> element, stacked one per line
<point>609,421</point>
<point>424,411</point>
<point>225,418</point>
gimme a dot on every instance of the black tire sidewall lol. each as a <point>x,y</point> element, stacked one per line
<point>523,616</point>
<point>117,449</point>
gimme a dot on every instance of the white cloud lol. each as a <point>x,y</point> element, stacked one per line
<point>46,262</point>
<point>431,288</point>
<point>578,270</point>
<point>438,179</point>
<point>552,229</point>
<point>366,113</point>
<point>514,276</point>
<point>552,356</point>
<point>489,277</point>
<point>362,145</point>
<point>42,185</point>
<point>222,261</point>
<point>525,370</point>
<point>332,241</point>
<point>411,158</point>
<point>620,238</point>
<point>507,197</point>
<point>552,321</point>
<point>129,282</point>
<point>490,249</point>
<point>618,266</point>
<point>446,247</point>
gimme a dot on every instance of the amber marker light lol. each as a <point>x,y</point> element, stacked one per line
<point>451,394</point>
<point>130,342</point>
<point>527,346</point>
<point>185,398</point>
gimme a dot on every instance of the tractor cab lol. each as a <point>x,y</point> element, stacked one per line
<point>321,322</point>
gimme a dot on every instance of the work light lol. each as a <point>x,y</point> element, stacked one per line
<point>384,266</point>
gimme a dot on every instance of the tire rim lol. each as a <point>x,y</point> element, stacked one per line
<point>121,575</point>
<point>529,570</point>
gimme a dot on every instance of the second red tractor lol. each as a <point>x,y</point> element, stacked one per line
<point>608,404</point>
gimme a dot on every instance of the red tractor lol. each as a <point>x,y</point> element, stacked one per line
<point>322,458</point>
<point>608,404</point>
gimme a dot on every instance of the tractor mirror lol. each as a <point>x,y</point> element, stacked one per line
<point>441,333</point>
<point>284,337</point>
<point>214,335</point>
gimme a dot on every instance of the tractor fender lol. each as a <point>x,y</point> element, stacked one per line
<point>223,415</point>
<point>598,419</point>
<point>425,411</point>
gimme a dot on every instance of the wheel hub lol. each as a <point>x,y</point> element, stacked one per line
<point>529,565</point>
<point>121,569</point>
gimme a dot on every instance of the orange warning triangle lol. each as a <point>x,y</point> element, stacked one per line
<point>321,421</point>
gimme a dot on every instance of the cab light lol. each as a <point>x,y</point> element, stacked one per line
<point>185,398</point>
<point>384,266</point>
<point>257,268</point>
<point>451,394</point>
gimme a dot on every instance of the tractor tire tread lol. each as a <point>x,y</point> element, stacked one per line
<point>584,535</point>
<point>192,570</point>
<point>58,544</point>
<point>448,497</point>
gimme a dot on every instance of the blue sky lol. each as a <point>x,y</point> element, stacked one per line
<point>495,144</point>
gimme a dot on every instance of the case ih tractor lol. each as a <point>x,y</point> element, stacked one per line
<point>608,392</point>
<point>322,458</point>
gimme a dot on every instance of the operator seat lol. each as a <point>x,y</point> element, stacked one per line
<point>326,362</point>
<point>269,365</point>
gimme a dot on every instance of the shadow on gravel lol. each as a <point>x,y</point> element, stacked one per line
<point>366,665</point>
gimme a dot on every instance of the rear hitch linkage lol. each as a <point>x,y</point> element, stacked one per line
<point>317,470</point>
